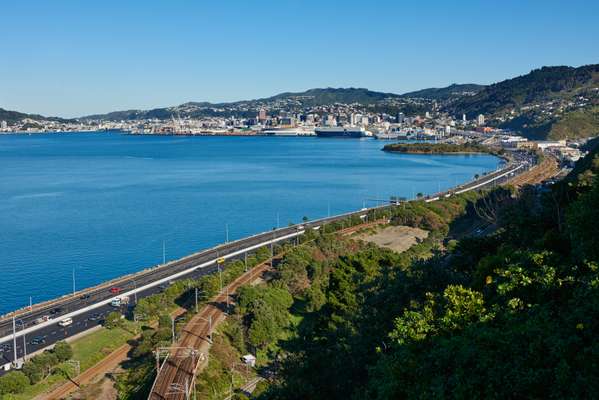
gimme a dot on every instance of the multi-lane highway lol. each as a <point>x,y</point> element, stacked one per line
<point>38,328</point>
<point>88,307</point>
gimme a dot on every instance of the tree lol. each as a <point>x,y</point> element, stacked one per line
<point>63,351</point>
<point>33,371</point>
<point>13,382</point>
<point>113,320</point>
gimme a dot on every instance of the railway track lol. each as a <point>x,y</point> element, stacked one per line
<point>547,169</point>
<point>176,376</point>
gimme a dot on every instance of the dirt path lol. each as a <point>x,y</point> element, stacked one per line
<point>396,238</point>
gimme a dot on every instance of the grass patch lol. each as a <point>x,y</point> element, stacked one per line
<point>91,349</point>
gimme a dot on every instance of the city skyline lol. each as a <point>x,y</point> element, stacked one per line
<point>73,59</point>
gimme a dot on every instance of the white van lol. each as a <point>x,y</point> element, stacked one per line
<point>66,322</point>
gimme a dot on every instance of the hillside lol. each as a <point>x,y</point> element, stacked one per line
<point>534,103</point>
<point>452,91</point>
<point>248,108</point>
<point>511,315</point>
<point>14,116</point>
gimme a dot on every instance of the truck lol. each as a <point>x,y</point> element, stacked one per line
<point>119,301</point>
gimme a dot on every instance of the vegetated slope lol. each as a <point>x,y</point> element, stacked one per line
<point>454,90</point>
<point>249,108</point>
<point>534,102</point>
<point>511,315</point>
<point>15,116</point>
<point>436,148</point>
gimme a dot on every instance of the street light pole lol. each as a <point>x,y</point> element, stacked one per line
<point>73,281</point>
<point>163,252</point>
<point>14,340</point>
<point>226,233</point>
<point>196,300</point>
<point>173,329</point>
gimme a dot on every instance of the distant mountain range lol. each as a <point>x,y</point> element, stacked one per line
<point>15,116</point>
<point>248,108</point>
<point>554,102</point>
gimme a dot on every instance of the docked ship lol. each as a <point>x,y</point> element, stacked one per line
<point>341,131</point>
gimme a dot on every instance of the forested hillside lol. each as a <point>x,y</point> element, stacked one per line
<point>511,315</point>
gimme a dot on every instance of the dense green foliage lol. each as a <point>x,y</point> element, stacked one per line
<point>450,92</point>
<point>436,148</point>
<point>36,369</point>
<point>511,315</point>
<point>13,382</point>
<point>538,85</point>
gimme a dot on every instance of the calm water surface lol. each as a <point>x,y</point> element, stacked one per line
<point>104,203</point>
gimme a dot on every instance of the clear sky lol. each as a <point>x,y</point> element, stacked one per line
<point>71,58</point>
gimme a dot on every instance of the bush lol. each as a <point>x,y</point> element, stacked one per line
<point>13,382</point>
<point>113,320</point>
<point>63,351</point>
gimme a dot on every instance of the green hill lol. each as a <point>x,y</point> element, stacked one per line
<point>553,102</point>
<point>452,91</point>
<point>511,315</point>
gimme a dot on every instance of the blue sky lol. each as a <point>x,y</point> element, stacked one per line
<point>70,58</point>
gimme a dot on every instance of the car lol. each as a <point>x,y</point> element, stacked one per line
<point>84,297</point>
<point>41,319</point>
<point>95,317</point>
<point>115,290</point>
<point>56,310</point>
<point>5,347</point>
<point>38,340</point>
<point>66,322</point>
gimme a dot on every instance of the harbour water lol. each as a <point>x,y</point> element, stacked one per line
<point>102,205</point>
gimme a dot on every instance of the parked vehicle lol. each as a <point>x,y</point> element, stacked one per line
<point>5,347</point>
<point>115,290</point>
<point>66,322</point>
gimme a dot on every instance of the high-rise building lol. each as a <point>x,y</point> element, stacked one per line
<point>463,117</point>
<point>400,117</point>
<point>3,125</point>
<point>262,115</point>
<point>480,120</point>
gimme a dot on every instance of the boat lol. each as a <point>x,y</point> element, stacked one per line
<point>341,131</point>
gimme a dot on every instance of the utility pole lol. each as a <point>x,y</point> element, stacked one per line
<point>24,342</point>
<point>135,291</point>
<point>173,329</point>
<point>14,340</point>
<point>220,277</point>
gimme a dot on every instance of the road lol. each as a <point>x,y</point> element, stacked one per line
<point>87,307</point>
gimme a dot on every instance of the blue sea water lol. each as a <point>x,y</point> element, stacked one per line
<point>104,203</point>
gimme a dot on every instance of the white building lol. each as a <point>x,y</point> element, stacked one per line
<point>3,125</point>
<point>480,120</point>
